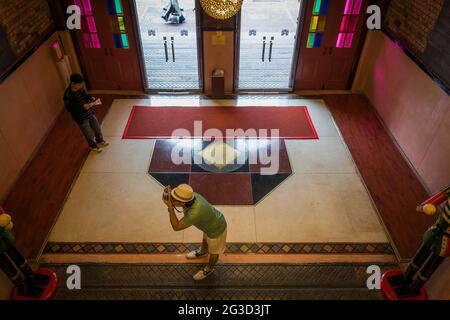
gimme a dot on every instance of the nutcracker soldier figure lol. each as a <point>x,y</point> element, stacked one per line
<point>433,251</point>
<point>29,285</point>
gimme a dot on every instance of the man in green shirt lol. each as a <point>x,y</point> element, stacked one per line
<point>200,213</point>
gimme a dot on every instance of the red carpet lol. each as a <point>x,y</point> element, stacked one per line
<point>160,122</point>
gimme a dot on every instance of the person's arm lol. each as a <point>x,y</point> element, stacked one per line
<point>68,102</point>
<point>177,225</point>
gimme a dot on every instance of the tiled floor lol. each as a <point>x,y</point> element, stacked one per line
<point>229,282</point>
<point>115,200</point>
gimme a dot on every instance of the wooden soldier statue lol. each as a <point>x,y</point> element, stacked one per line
<point>433,251</point>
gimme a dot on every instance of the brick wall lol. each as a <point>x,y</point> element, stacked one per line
<point>24,22</point>
<point>412,21</point>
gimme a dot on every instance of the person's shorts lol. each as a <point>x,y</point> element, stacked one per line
<point>217,245</point>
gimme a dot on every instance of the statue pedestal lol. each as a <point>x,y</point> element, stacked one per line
<point>44,289</point>
<point>394,287</point>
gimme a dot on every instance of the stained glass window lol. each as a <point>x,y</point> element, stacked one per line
<point>90,36</point>
<point>317,25</point>
<point>120,37</point>
<point>349,23</point>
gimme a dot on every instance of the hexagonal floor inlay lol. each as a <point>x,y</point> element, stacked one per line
<point>228,172</point>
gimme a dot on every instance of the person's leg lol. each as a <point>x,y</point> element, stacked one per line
<point>215,248</point>
<point>86,130</point>
<point>93,122</point>
<point>204,247</point>
<point>213,258</point>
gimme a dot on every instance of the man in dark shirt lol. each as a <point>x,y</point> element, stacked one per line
<point>80,104</point>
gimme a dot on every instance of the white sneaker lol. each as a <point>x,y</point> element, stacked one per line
<point>196,254</point>
<point>202,274</point>
<point>96,149</point>
<point>103,144</point>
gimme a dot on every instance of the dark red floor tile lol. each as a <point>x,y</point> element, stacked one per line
<point>266,145</point>
<point>162,156</point>
<point>224,188</point>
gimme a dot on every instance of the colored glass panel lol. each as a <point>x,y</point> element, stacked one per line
<point>353,23</point>
<point>95,41</point>
<point>119,9</point>
<point>340,40</point>
<point>314,21</point>
<point>357,6</point>
<point>121,24</point>
<point>111,7</point>
<point>348,7</point>
<point>317,5</point>
<point>91,24</point>
<point>311,38</point>
<point>118,40</point>
<point>125,44</point>
<point>322,22</point>
<point>344,23</point>
<point>325,7</point>
<point>318,41</point>
<point>87,7</point>
<point>348,40</point>
<point>78,3</point>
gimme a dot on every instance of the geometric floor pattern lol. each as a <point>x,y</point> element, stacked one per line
<point>231,248</point>
<point>226,172</point>
<point>230,281</point>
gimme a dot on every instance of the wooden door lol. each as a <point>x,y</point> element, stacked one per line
<point>344,45</point>
<point>92,44</point>
<point>123,49</point>
<point>326,60</point>
<point>315,40</point>
<point>107,63</point>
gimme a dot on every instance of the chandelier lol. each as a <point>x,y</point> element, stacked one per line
<point>221,9</point>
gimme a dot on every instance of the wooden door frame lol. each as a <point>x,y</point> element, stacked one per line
<point>295,54</point>
<point>359,48</point>
<point>140,51</point>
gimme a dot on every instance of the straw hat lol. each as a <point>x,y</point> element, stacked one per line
<point>183,193</point>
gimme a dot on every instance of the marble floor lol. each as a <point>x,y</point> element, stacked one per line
<point>324,200</point>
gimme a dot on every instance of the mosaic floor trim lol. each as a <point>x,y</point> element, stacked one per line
<point>232,248</point>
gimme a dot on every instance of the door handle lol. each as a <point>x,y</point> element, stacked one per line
<point>264,49</point>
<point>325,50</point>
<point>165,49</point>
<point>173,49</point>
<point>270,49</point>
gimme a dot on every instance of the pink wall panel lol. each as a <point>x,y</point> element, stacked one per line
<point>33,100</point>
<point>411,105</point>
<point>435,166</point>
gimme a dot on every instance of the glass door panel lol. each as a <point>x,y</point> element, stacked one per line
<point>168,31</point>
<point>267,43</point>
